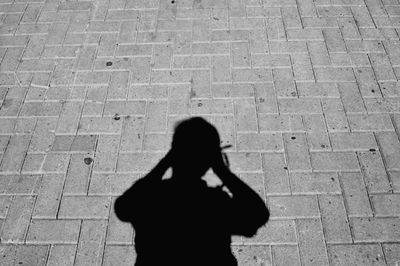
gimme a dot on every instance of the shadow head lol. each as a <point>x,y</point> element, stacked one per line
<point>195,143</point>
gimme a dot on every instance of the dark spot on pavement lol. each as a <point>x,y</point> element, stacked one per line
<point>109,63</point>
<point>372,150</point>
<point>293,137</point>
<point>88,160</point>
<point>172,2</point>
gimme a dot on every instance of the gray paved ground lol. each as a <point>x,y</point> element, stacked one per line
<point>306,91</point>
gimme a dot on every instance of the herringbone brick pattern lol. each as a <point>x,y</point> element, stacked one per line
<point>306,91</point>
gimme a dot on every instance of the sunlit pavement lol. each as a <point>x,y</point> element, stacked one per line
<point>305,91</point>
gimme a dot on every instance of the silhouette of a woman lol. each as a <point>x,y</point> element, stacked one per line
<point>182,221</point>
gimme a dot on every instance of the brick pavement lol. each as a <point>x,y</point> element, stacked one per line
<point>307,92</point>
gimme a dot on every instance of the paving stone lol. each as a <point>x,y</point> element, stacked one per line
<point>105,162</point>
<point>124,108</point>
<point>368,254</point>
<point>266,101</point>
<point>386,204</point>
<point>314,183</point>
<point>85,143</point>
<point>390,148</point>
<point>43,137</point>
<point>5,202</point>
<point>318,53</point>
<point>382,67</point>
<point>250,255</point>
<point>375,176</point>
<point>17,220</point>
<point>392,253</point>
<point>55,163</point>
<point>49,194</point>
<point>284,82</point>
<point>317,136</point>
<point>137,162</point>
<point>62,255</point>
<point>336,122</point>
<point>84,207</point>
<point>311,240</point>
<point>21,184</point>
<point>259,142</point>
<point>285,255</point>
<point>110,183</point>
<point>382,105</point>
<point>91,243</point>
<point>375,229</point>
<point>314,89</point>
<point>299,105</point>
<point>62,143</point>
<point>156,120</point>
<point>225,126</point>
<point>334,161</point>
<point>132,134</point>
<point>4,180</point>
<point>280,123</point>
<point>23,254</point>
<point>352,141</point>
<point>271,61</point>
<point>13,100</point>
<point>25,125</point>
<point>297,153</point>
<point>245,114</point>
<point>330,74</point>
<point>293,206</point>
<point>15,153</point>
<point>370,122</point>
<point>77,178</point>
<point>4,140</point>
<point>334,219</point>
<point>7,125</point>
<point>93,125</point>
<point>276,176</point>
<point>367,82</point>
<point>355,194</point>
<point>53,231</point>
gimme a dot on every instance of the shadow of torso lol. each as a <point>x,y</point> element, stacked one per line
<point>176,225</point>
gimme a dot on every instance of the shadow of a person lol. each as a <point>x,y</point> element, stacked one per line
<point>182,221</point>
